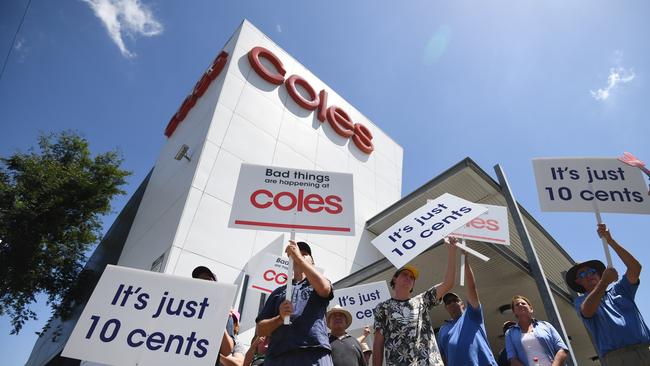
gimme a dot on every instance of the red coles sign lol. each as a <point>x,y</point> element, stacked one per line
<point>336,116</point>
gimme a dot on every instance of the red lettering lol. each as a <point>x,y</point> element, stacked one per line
<point>335,202</point>
<point>265,192</point>
<point>340,121</point>
<point>199,89</point>
<point>314,199</point>
<point>286,201</point>
<point>492,225</point>
<point>363,138</point>
<point>336,116</point>
<point>277,77</point>
<point>291,83</point>
<point>279,278</point>
<point>292,199</point>
<point>477,223</point>
<point>322,107</point>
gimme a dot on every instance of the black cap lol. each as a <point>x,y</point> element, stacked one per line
<point>202,269</point>
<point>304,247</point>
<point>449,295</point>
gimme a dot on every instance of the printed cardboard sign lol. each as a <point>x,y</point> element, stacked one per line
<point>491,227</point>
<point>285,199</point>
<point>360,302</point>
<point>590,184</point>
<point>137,317</point>
<point>425,226</point>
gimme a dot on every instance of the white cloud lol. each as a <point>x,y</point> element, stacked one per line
<point>128,17</point>
<point>278,28</point>
<point>617,76</point>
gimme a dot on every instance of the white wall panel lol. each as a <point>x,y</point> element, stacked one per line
<point>223,179</point>
<point>248,142</point>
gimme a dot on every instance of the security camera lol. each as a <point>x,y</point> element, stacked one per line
<point>182,153</point>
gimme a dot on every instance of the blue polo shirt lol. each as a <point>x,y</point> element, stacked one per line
<point>545,333</point>
<point>463,341</point>
<point>617,323</point>
<point>307,328</point>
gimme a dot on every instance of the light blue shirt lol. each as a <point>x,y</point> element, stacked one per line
<point>617,323</point>
<point>545,333</point>
<point>463,341</point>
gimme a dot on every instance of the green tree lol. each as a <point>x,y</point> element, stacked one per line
<point>51,203</point>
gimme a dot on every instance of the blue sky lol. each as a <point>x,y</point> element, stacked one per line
<point>499,81</point>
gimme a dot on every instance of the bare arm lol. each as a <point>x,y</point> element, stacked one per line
<point>378,349</point>
<point>632,264</point>
<point>232,360</point>
<point>446,285</point>
<point>366,333</point>
<point>472,294</point>
<point>592,301</point>
<point>250,354</point>
<point>560,358</point>
<point>321,285</point>
<point>227,344</point>
<point>267,326</point>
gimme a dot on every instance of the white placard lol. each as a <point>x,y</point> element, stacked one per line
<point>590,184</point>
<point>491,227</point>
<point>270,274</point>
<point>137,317</point>
<point>286,199</point>
<point>360,302</point>
<point>425,226</point>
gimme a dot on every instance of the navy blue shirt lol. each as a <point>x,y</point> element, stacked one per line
<point>307,328</point>
<point>463,341</point>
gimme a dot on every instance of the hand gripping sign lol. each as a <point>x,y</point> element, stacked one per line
<point>294,200</point>
<point>137,317</point>
<point>360,302</point>
<point>590,185</point>
<point>425,226</point>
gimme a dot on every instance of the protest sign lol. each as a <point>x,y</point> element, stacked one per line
<point>270,274</point>
<point>423,227</point>
<point>137,317</point>
<point>360,301</point>
<point>287,199</point>
<point>491,227</point>
<point>590,185</point>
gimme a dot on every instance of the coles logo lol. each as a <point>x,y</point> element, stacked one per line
<point>278,277</point>
<point>287,201</point>
<point>336,116</point>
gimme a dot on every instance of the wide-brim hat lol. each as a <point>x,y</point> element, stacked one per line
<point>203,269</point>
<point>414,271</point>
<point>339,309</point>
<point>570,276</point>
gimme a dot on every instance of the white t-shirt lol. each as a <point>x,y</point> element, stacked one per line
<point>534,348</point>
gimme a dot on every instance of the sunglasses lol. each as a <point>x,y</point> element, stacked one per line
<point>584,274</point>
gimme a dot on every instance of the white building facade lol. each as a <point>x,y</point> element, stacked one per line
<point>242,117</point>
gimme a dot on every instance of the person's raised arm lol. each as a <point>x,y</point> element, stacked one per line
<point>321,285</point>
<point>592,301</point>
<point>560,358</point>
<point>450,275</point>
<point>632,264</point>
<point>472,294</point>
<point>378,349</point>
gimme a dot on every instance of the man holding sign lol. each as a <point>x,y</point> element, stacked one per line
<point>463,339</point>
<point>611,315</point>
<point>403,327</point>
<point>305,341</point>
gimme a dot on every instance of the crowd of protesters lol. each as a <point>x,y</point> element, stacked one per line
<point>404,335</point>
